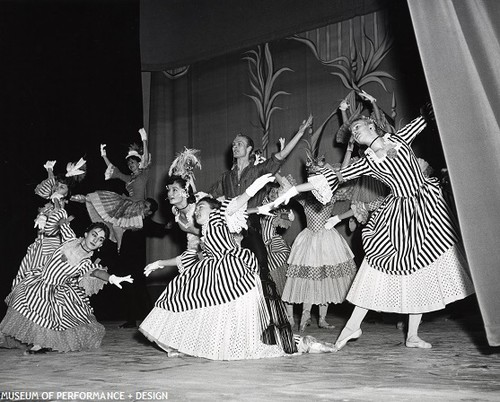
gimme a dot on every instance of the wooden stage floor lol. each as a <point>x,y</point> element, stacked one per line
<point>376,367</point>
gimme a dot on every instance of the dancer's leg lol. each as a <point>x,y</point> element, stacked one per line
<point>412,338</point>
<point>305,319</point>
<point>322,323</point>
<point>352,329</point>
<point>289,313</point>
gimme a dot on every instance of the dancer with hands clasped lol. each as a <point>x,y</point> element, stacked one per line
<point>414,260</point>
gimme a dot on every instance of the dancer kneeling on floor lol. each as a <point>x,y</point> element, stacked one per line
<point>50,308</point>
<point>215,307</point>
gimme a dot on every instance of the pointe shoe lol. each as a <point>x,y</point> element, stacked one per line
<point>354,335</point>
<point>323,324</point>
<point>416,342</point>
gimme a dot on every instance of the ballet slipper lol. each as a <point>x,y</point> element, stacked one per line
<point>416,342</point>
<point>175,353</point>
<point>36,350</point>
<point>323,324</point>
<point>354,335</point>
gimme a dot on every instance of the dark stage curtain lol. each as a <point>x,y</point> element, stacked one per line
<point>459,45</point>
<point>175,33</point>
<point>70,79</point>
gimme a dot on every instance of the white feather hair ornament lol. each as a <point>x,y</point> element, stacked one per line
<point>184,164</point>
<point>134,150</point>
<point>75,169</point>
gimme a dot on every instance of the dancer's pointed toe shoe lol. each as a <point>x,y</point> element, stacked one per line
<point>342,342</point>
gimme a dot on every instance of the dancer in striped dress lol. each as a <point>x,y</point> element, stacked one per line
<point>55,189</point>
<point>215,307</point>
<point>368,191</point>
<point>277,248</point>
<point>414,260</point>
<point>49,308</point>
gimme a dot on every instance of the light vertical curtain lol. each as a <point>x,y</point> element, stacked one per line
<point>460,49</point>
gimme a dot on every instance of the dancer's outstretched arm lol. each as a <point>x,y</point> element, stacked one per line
<point>104,155</point>
<point>159,265</point>
<point>296,138</point>
<point>252,189</point>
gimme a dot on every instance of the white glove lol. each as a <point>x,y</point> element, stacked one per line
<point>103,149</point>
<point>259,183</point>
<point>144,135</point>
<point>40,221</point>
<point>49,165</point>
<point>285,198</point>
<point>332,222</point>
<point>78,198</point>
<point>344,105</point>
<point>265,209</point>
<point>259,159</point>
<point>152,267</point>
<point>117,280</point>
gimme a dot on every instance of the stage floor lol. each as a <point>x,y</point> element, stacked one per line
<point>376,367</point>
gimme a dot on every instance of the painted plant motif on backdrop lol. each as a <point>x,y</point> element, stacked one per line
<point>262,79</point>
<point>355,58</point>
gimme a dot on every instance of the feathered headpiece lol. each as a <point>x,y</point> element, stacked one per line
<point>184,164</point>
<point>75,169</point>
<point>134,150</point>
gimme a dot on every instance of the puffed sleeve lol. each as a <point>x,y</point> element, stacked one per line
<point>236,219</point>
<point>44,189</point>
<point>91,284</point>
<point>112,172</point>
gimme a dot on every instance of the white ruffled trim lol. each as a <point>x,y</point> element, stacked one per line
<point>322,190</point>
<point>91,284</point>
<point>108,174</point>
<point>236,219</point>
<point>180,266</point>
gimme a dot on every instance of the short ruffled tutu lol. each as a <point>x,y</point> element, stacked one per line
<point>428,289</point>
<point>229,331</point>
<point>21,330</point>
<point>115,209</point>
<point>321,268</point>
